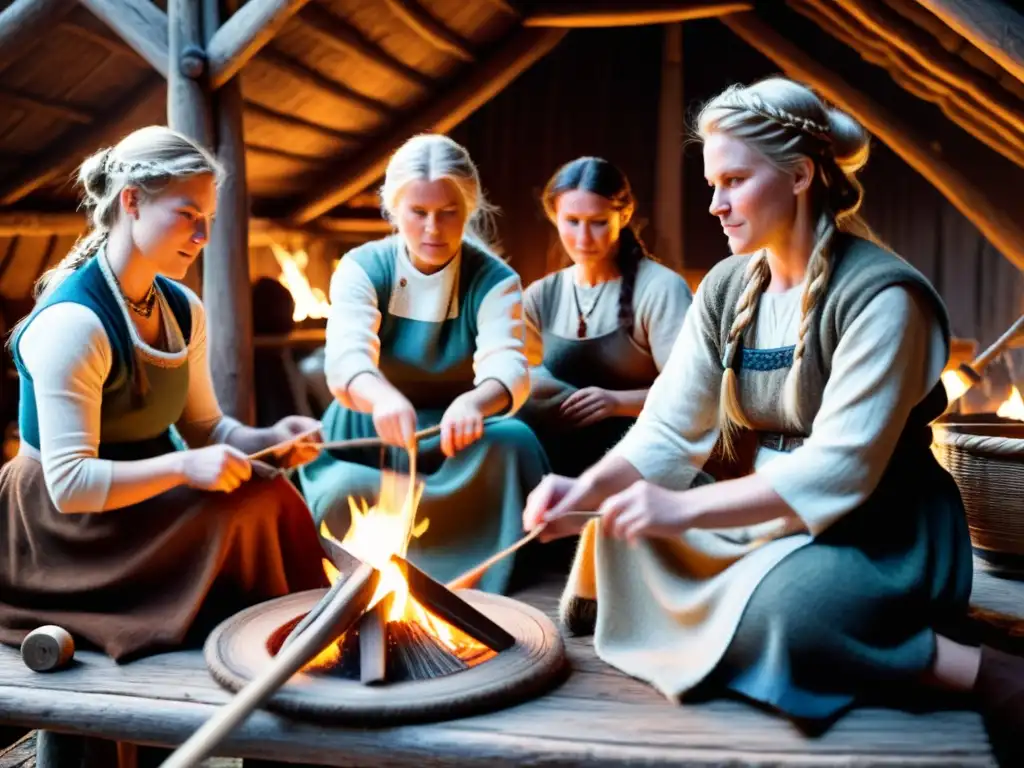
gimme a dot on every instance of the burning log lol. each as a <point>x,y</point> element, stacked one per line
<point>418,655</point>
<point>373,643</point>
<point>448,606</point>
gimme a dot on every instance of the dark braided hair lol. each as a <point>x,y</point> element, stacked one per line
<point>596,175</point>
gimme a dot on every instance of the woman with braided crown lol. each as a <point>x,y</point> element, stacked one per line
<point>824,350</point>
<point>599,331</point>
<point>107,529</point>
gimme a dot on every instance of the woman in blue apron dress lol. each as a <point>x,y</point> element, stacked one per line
<point>599,331</point>
<point>425,329</point>
<point>107,529</point>
<point>825,350</point>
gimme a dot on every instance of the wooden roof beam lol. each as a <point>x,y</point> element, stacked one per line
<point>38,104</point>
<point>242,36</point>
<point>342,181</point>
<point>141,25</point>
<point>992,26</point>
<point>16,223</point>
<point>343,37</point>
<point>582,14</point>
<point>430,29</point>
<point>295,121</point>
<point>314,79</point>
<point>917,79</point>
<point>68,150</point>
<point>24,22</point>
<point>980,208</point>
<point>928,53</point>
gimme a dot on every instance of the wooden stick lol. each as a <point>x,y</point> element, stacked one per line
<point>975,203</point>
<point>447,605</point>
<point>336,619</point>
<point>468,578</point>
<point>373,643</point>
<point>142,25</point>
<point>997,347</point>
<point>242,36</point>
<point>270,449</point>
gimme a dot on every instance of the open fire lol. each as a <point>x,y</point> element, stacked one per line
<point>310,302</point>
<point>1013,408</point>
<point>413,628</point>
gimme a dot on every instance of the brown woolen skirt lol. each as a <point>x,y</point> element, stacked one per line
<point>154,576</point>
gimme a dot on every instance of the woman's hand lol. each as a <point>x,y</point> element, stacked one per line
<point>588,406</point>
<point>561,505</point>
<point>394,418</point>
<point>645,510</point>
<point>461,426</point>
<point>300,451</point>
<point>215,468</point>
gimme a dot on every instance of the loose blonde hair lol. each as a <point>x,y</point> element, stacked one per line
<point>148,159</point>
<point>786,121</point>
<point>431,157</point>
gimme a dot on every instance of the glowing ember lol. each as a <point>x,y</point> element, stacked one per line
<point>1013,408</point>
<point>309,301</point>
<point>376,533</point>
<point>954,385</point>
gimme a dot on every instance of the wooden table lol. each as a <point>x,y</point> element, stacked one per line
<point>598,717</point>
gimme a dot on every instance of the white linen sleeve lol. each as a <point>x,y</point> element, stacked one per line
<point>353,346</point>
<point>660,314</point>
<point>68,379</point>
<point>678,426</point>
<point>885,363</point>
<point>500,341</point>
<point>201,422</point>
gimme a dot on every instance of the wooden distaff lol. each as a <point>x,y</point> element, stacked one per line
<point>349,604</point>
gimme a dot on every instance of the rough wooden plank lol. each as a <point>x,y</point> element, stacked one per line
<point>994,27</point>
<point>975,203</point>
<point>58,109</point>
<point>139,23</point>
<point>430,30</point>
<point>21,754</point>
<point>312,79</point>
<point>242,36</point>
<point>588,15</point>
<point>443,113</point>
<point>24,22</point>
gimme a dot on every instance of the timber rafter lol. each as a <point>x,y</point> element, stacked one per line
<point>994,27</point>
<point>242,36</point>
<point>584,14</point>
<point>916,149</point>
<point>430,30</point>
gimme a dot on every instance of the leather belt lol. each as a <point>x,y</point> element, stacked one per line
<point>779,441</point>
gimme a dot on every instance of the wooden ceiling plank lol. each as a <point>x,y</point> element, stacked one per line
<point>245,34</point>
<point>25,22</point>
<point>432,31</point>
<point>992,26</point>
<point>583,15</point>
<point>140,24</point>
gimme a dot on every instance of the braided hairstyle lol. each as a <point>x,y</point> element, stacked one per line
<point>147,159</point>
<point>596,175</point>
<point>786,122</point>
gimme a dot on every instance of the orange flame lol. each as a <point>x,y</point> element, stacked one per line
<point>1013,408</point>
<point>309,301</point>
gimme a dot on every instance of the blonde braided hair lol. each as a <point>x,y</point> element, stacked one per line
<point>787,122</point>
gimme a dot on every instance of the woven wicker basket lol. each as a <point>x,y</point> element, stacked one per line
<point>985,455</point>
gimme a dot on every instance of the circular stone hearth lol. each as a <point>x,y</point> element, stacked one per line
<point>237,651</point>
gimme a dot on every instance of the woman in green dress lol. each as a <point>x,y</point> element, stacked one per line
<point>106,528</point>
<point>823,350</point>
<point>426,328</point>
<point>599,331</point>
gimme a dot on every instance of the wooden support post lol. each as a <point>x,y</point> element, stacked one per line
<point>668,169</point>
<point>980,208</point>
<point>340,183</point>
<point>24,22</point>
<point>188,104</point>
<point>243,35</point>
<point>583,14</point>
<point>140,24</point>
<point>992,26</point>
<point>226,257</point>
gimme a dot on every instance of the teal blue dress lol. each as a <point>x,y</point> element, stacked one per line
<point>160,573</point>
<point>475,500</point>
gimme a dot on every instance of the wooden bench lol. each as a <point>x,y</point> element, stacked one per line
<point>598,717</point>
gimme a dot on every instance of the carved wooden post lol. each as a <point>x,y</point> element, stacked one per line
<point>226,281</point>
<point>668,182</point>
